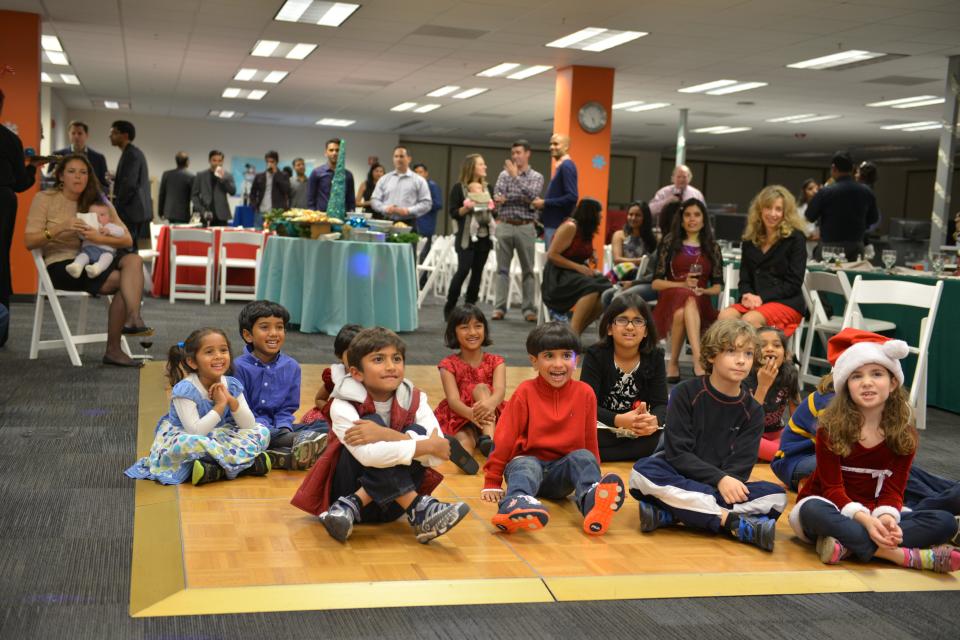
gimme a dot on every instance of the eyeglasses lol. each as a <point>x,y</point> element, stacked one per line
<point>621,321</point>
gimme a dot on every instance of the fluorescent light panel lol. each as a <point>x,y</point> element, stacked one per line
<point>498,70</point>
<point>327,14</point>
<point>225,114</point>
<point>910,125</point>
<point>720,130</point>
<point>51,43</point>
<point>70,78</point>
<point>335,122</point>
<point>256,94</point>
<point>442,91</point>
<point>595,39</point>
<point>574,38</point>
<point>249,94</point>
<point>469,93</point>
<point>614,40</point>
<point>626,105</point>
<point>231,92</point>
<point>836,59</point>
<point>404,106</point>
<point>707,86</point>
<point>901,101</point>
<point>523,74</point>
<point>57,58</point>
<point>275,77</point>
<point>926,127</point>
<point>45,77</point>
<point>245,74</point>
<point>817,118</point>
<point>804,117</point>
<point>111,104</point>
<point>276,49</point>
<point>648,106</point>
<point>922,103</point>
<point>742,86</point>
<point>426,108</point>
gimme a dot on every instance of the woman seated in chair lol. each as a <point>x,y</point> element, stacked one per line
<point>53,227</point>
<point>628,247</point>
<point>568,279</point>
<point>689,271</point>
<point>773,263</point>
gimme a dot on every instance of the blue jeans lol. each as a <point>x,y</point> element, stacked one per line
<point>921,529</point>
<point>577,471</point>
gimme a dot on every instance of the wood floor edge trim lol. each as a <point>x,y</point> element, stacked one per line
<point>156,568</point>
<point>347,595</point>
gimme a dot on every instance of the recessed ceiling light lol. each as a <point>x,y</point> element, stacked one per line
<point>836,59</point>
<point>498,70</point>
<point>717,131</point>
<point>328,14</point>
<point>817,118</point>
<point>742,86</point>
<point>404,106</point>
<point>804,117</point>
<point>627,104</point>
<point>596,39</point>
<point>300,51</point>
<point>245,74</point>
<point>901,101</point>
<point>791,118</point>
<point>275,76</point>
<point>469,93</point>
<point>111,104</point>
<point>335,122</point>
<point>926,127</point>
<point>51,43</point>
<point>648,106</point>
<point>256,94</point>
<point>529,71</point>
<point>707,86</point>
<point>70,78</point>
<point>574,38</point>
<point>921,103</point>
<point>911,125</point>
<point>442,91</point>
<point>226,114</point>
<point>426,108</point>
<point>231,92</point>
<point>57,57</point>
<point>264,48</point>
<point>276,49</point>
<point>45,77</point>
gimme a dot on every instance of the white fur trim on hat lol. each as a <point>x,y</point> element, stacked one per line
<point>887,354</point>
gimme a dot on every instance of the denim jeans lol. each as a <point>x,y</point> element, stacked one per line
<point>575,472</point>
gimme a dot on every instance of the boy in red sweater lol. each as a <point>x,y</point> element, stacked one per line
<point>546,443</point>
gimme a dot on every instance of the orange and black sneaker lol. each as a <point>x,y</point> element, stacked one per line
<point>523,513</point>
<point>607,497</point>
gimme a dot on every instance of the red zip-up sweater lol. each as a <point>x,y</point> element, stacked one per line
<point>544,422</point>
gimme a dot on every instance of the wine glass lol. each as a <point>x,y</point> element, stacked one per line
<point>696,269</point>
<point>889,258</point>
<point>826,254</point>
<point>936,261</point>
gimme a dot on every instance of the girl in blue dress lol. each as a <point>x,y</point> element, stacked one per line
<point>209,433</point>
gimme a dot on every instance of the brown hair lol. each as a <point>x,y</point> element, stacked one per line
<point>91,193</point>
<point>177,367</point>
<point>370,340</point>
<point>755,231</point>
<point>469,168</point>
<point>843,421</point>
<point>724,334</point>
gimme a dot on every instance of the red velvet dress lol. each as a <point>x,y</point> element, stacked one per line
<point>669,300</point>
<point>467,378</point>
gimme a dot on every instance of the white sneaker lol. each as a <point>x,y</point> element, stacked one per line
<point>93,270</point>
<point>74,269</point>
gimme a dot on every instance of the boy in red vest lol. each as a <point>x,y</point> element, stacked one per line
<point>546,443</point>
<point>385,439</point>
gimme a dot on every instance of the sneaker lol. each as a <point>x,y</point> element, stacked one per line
<point>830,550</point>
<point>205,472</point>
<point>653,517</point>
<point>307,447</point>
<point>431,518</point>
<point>608,495</point>
<point>261,466</point>
<point>281,458</point>
<point>757,530</point>
<point>523,513</point>
<point>485,444</point>
<point>74,270</point>
<point>461,457</point>
<point>955,540</point>
<point>338,519</point>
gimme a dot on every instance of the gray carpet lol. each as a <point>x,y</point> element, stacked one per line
<point>67,522</point>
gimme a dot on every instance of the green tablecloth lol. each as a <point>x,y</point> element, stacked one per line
<point>325,285</point>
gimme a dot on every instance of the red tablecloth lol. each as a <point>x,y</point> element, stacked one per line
<point>195,275</point>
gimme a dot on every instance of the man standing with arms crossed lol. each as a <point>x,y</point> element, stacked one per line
<point>401,195</point>
<point>518,185</point>
<point>562,195</point>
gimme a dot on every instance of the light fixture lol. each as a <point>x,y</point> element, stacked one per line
<point>911,126</point>
<point>57,58</point>
<point>804,117</point>
<point>840,59</point>
<point>741,86</point>
<point>225,114</point>
<point>921,103</point>
<point>426,108</point>
<point>327,14</point>
<point>231,92</point>
<point>908,103</point>
<point>523,74</point>
<point>275,77</point>
<point>648,106</point>
<point>817,118</point>
<point>498,70</point>
<point>469,93</point>
<point>335,122</point>
<point>791,118</point>
<point>245,74</point>
<point>111,104</point>
<point>51,43</point>
<point>442,91</point>
<point>926,127</point>
<point>256,94</point>
<point>249,94</point>
<point>45,77</point>
<point>596,39</point>
<point>404,106</point>
<point>70,78</point>
<point>276,49</point>
<point>260,75</point>
<point>707,86</point>
<point>627,104</point>
<point>721,130</point>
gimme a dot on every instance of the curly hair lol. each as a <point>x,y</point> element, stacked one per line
<point>788,375</point>
<point>724,334</point>
<point>755,231</point>
<point>843,421</point>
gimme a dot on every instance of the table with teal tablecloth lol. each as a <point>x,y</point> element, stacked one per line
<point>325,285</point>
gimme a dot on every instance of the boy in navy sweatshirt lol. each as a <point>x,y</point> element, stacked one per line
<point>711,441</point>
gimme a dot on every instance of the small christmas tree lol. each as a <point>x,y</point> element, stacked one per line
<point>337,202</point>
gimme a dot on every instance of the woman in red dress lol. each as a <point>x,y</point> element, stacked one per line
<point>689,271</point>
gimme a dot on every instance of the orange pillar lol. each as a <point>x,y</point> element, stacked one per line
<point>20,81</point>
<point>576,87</point>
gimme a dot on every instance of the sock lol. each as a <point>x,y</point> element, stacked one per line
<point>732,523</point>
<point>413,506</point>
<point>353,501</point>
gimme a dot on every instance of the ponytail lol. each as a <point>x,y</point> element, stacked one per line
<point>178,366</point>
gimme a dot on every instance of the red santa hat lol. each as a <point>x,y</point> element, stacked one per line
<point>852,348</point>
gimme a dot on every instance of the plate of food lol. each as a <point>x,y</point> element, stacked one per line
<point>380,225</point>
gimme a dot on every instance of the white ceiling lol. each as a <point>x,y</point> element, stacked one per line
<point>175,57</point>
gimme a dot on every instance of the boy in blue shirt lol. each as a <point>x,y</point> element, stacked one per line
<point>271,382</point>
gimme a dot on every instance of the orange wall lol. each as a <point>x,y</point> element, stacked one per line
<point>577,85</point>
<point>20,35</point>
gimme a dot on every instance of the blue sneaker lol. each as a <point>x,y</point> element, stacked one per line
<point>653,517</point>
<point>431,518</point>
<point>338,519</point>
<point>760,531</point>
<point>523,513</point>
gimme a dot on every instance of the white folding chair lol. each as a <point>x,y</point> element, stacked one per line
<point>607,257</point>
<point>822,326</point>
<point>432,265</point>
<point>236,238</point>
<point>731,282</point>
<point>191,291</point>
<point>72,342</point>
<point>150,255</point>
<point>911,294</point>
<point>488,281</point>
<point>539,262</point>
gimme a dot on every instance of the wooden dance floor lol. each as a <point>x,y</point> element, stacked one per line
<point>236,547</point>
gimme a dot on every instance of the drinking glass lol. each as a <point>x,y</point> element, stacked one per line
<point>889,257</point>
<point>696,269</point>
<point>826,254</point>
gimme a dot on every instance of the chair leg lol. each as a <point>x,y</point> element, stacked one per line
<point>65,331</point>
<point>37,326</point>
<point>173,279</point>
<point>82,321</point>
<point>222,283</point>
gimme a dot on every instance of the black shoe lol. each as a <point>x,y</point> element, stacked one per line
<point>281,458</point>
<point>260,467</point>
<point>431,518</point>
<point>205,472</point>
<point>460,457</point>
<point>485,444</point>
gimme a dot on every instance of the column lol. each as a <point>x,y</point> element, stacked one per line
<point>945,154</point>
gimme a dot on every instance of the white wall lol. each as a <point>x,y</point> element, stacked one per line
<point>53,117</point>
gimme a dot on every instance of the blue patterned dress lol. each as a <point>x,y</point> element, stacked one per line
<point>171,456</point>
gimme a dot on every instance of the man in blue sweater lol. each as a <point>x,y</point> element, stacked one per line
<point>562,195</point>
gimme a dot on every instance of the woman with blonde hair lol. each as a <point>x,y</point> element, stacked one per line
<point>473,242</point>
<point>773,263</point>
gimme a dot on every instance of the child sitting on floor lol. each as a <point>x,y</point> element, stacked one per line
<point>710,446</point>
<point>209,433</point>
<point>546,443</point>
<point>384,440</point>
<point>774,385</point>
<point>272,381</point>
<point>332,374</point>
<point>474,383</point>
<point>95,258</point>
<point>852,505</point>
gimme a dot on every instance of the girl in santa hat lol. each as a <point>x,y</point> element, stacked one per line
<point>865,444</point>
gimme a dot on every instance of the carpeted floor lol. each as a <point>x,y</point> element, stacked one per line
<point>67,521</point>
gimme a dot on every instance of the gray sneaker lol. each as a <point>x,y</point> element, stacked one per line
<point>432,518</point>
<point>307,447</point>
<point>338,520</point>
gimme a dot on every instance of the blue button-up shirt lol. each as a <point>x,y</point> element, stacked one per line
<point>272,389</point>
<point>427,223</point>
<point>318,189</point>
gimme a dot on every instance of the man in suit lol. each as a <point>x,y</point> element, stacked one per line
<point>270,189</point>
<point>210,190</point>
<point>176,185</point>
<point>79,132</point>
<point>131,188</point>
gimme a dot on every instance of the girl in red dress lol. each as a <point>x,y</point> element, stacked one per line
<point>689,271</point>
<point>474,382</point>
